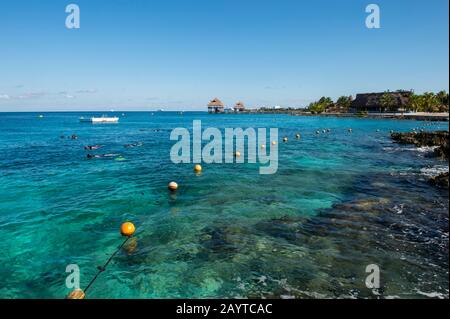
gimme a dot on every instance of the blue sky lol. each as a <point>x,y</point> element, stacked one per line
<point>174,54</point>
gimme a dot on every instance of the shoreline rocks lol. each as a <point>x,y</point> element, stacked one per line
<point>439,139</point>
<point>436,138</point>
<point>440,180</point>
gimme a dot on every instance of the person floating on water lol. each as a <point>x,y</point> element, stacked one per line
<point>134,145</point>
<point>102,155</point>
<point>92,147</point>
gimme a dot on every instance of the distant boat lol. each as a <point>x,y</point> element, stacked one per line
<point>102,119</point>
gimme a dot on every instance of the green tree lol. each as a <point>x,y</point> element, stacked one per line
<point>388,102</point>
<point>430,102</point>
<point>344,102</point>
<point>414,103</point>
<point>443,99</point>
<point>321,105</point>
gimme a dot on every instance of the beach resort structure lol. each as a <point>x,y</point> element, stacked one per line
<point>239,107</point>
<point>381,102</point>
<point>215,106</point>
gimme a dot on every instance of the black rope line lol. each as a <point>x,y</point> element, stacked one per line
<point>103,268</point>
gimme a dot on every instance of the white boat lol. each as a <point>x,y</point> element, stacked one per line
<point>103,119</point>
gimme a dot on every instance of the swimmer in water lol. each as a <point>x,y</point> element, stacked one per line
<point>92,147</point>
<point>133,145</point>
<point>102,155</point>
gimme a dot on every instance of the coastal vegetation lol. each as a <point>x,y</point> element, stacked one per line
<point>429,102</point>
<point>398,101</point>
<point>321,105</point>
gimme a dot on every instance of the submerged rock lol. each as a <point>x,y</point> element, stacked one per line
<point>436,138</point>
<point>441,180</point>
<point>439,139</point>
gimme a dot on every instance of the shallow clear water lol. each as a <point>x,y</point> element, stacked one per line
<point>339,202</point>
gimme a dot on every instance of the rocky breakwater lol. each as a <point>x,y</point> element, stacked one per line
<point>436,139</point>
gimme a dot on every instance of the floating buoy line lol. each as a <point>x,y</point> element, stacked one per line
<point>127,230</point>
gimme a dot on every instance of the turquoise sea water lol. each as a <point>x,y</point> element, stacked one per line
<point>339,202</point>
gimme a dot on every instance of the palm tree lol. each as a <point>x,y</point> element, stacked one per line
<point>387,102</point>
<point>443,98</point>
<point>344,102</point>
<point>414,103</point>
<point>430,102</point>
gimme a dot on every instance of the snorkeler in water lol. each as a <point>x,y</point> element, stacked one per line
<point>102,155</point>
<point>92,147</point>
<point>133,145</point>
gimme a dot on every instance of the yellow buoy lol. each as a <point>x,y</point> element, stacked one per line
<point>127,229</point>
<point>173,186</point>
<point>76,294</point>
<point>274,142</point>
<point>237,154</point>
<point>263,146</point>
<point>198,168</point>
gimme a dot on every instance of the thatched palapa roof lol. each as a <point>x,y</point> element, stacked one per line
<point>215,103</point>
<point>374,99</point>
<point>239,105</point>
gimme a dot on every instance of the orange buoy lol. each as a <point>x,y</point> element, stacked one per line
<point>237,154</point>
<point>173,186</point>
<point>127,229</point>
<point>198,168</point>
<point>76,294</point>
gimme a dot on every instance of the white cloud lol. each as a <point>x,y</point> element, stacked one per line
<point>30,95</point>
<point>4,97</point>
<point>88,91</point>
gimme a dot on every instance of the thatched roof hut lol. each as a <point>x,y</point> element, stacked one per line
<point>215,103</point>
<point>215,106</point>
<point>372,102</point>
<point>239,107</point>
